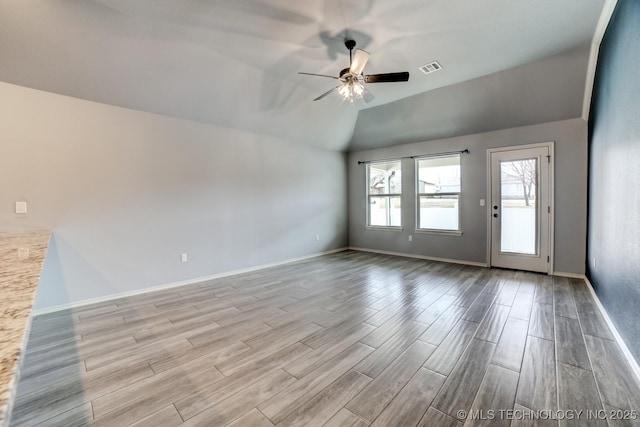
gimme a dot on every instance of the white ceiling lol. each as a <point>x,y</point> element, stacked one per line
<point>234,63</point>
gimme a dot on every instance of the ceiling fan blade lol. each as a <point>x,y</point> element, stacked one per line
<point>359,61</point>
<point>319,75</point>
<point>327,93</point>
<point>387,77</point>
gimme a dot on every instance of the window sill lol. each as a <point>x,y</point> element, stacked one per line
<point>444,232</point>
<point>383,228</point>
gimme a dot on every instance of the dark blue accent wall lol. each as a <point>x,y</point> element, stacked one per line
<point>613,263</point>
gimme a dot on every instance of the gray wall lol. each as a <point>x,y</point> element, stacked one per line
<point>570,138</point>
<point>126,192</point>
<point>614,174</point>
<point>542,91</point>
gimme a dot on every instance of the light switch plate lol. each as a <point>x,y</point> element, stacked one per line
<point>481,202</point>
<point>21,207</point>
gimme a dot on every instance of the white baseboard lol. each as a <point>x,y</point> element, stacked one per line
<point>107,298</point>
<point>633,363</point>
<point>429,258</point>
<point>569,275</point>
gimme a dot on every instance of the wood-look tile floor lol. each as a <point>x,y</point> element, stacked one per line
<point>349,339</point>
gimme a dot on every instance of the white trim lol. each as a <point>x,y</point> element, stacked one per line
<point>544,144</point>
<point>552,206</point>
<point>569,275</point>
<point>430,258</point>
<point>384,227</point>
<point>488,203</point>
<point>90,301</point>
<point>633,363</point>
<point>605,16</point>
<point>442,232</point>
<point>550,145</point>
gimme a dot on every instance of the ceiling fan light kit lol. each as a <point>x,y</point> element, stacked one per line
<point>352,90</point>
<point>352,80</point>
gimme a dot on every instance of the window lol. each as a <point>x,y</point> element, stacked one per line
<point>384,184</point>
<point>438,191</point>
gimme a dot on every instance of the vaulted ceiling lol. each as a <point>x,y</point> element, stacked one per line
<point>234,63</point>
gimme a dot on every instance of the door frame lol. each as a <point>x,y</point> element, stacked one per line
<point>550,146</point>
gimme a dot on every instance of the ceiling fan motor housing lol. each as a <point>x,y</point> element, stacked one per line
<point>344,73</point>
<point>352,79</point>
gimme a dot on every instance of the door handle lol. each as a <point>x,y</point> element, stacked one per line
<point>495,215</point>
<point>495,207</point>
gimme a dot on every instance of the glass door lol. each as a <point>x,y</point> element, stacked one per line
<point>520,208</point>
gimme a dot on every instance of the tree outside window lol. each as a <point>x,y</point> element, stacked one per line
<point>522,172</point>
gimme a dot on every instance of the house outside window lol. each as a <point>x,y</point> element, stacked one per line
<point>438,193</point>
<point>384,192</point>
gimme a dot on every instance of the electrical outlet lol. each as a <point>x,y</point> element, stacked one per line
<point>410,238</point>
<point>21,207</point>
<point>317,237</point>
<point>184,258</point>
<point>23,253</point>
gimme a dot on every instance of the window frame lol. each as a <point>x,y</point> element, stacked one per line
<point>418,195</point>
<point>388,196</point>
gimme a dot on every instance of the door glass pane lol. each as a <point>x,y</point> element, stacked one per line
<point>518,213</point>
<point>384,211</point>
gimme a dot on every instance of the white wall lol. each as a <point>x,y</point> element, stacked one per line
<point>570,138</point>
<point>126,192</point>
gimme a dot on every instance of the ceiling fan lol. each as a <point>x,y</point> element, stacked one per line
<point>352,80</point>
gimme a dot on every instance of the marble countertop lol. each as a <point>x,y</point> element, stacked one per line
<point>21,257</point>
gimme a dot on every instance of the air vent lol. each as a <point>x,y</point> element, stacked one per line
<point>431,67</point>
